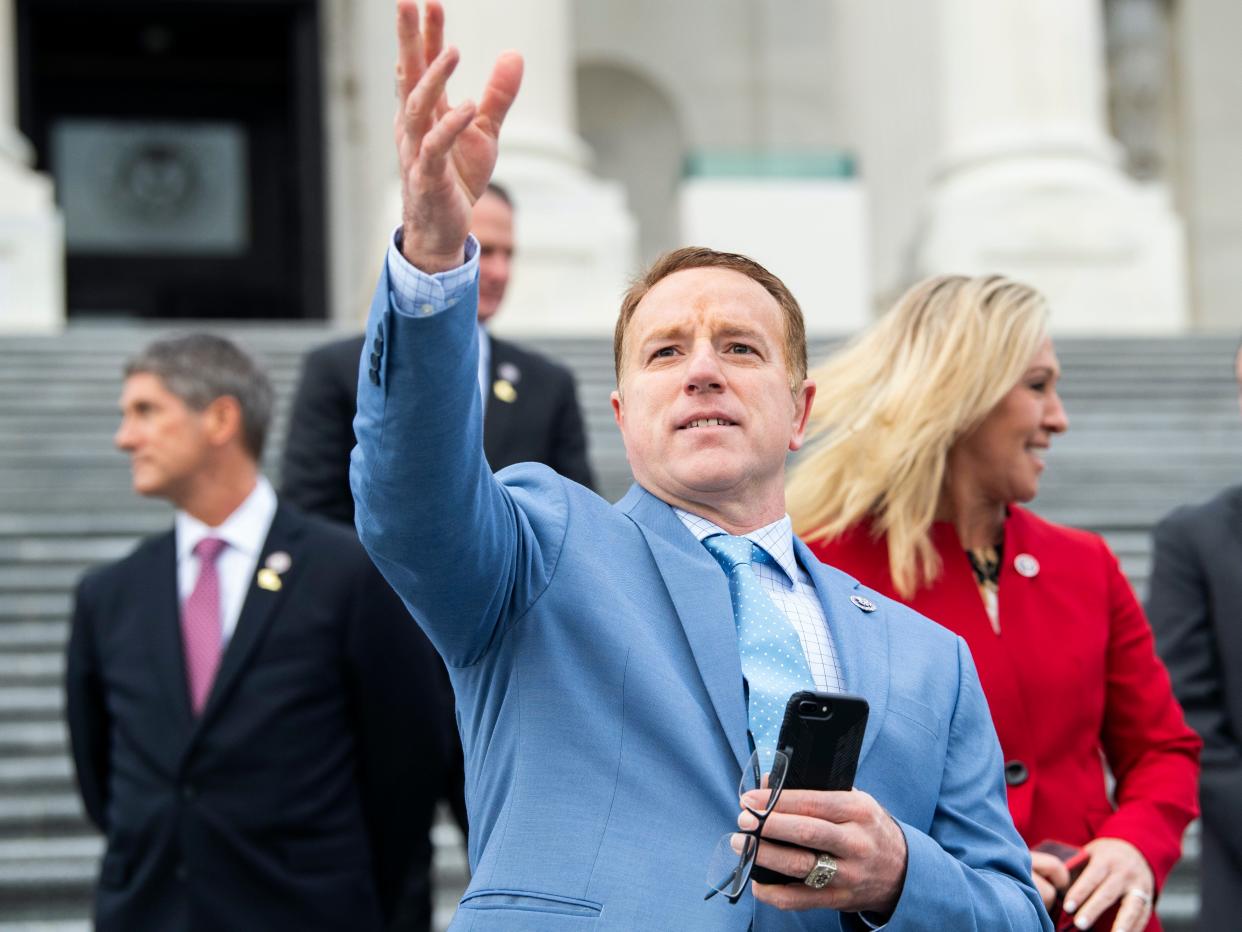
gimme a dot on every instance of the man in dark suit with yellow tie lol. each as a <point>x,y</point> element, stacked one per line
<point>245,701</point>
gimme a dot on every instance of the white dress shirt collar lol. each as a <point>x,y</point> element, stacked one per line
<point>244,530</point>
<point>776,538</point>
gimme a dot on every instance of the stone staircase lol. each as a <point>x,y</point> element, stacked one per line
<point>1153,423</point>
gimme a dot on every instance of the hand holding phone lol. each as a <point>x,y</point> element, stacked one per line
<point>821,736</point>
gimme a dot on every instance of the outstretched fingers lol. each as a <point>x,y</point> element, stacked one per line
<point>500,92</point>
<point>438,143</point>
<point>433,31</point>
<point>410,59</point>
<point>433,44</point>
<point>420,112</point>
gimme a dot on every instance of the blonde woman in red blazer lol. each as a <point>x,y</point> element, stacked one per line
<point>927,430</point>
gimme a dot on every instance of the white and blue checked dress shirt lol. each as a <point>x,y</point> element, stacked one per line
<point>789,586</point>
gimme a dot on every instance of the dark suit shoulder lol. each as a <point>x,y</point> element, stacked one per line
<point>1218,509</point>
<point>323,534</point>
<point>344,348</point>
<point>340,356</point>
<point>134,566</point>
<point>319,529</point>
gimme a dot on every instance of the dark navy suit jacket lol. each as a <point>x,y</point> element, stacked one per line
<point>541,423</point>
<point>303,794</point>
<point>1195,607</point>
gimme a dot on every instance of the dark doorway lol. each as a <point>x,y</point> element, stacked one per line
<point>184,137</point>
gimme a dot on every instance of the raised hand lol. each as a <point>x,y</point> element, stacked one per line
<point>446,153</point>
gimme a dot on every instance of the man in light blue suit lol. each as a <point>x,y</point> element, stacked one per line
<point>594,648</point>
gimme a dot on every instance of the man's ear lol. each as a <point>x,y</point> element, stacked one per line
<point>615,399</point>
<point>222,420</point>
<point>804,400</point>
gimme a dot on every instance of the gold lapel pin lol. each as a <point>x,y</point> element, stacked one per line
<point>504,390</point>
<point>269,579</point>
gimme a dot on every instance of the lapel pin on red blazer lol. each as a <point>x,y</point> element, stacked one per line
<point>1026,565</point>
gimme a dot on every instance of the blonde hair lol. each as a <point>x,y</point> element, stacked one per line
<point>892,402</point>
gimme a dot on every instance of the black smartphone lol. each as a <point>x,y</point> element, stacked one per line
<point>821,735</point>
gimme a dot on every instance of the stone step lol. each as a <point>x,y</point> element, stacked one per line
<point>29,704</point>
<point>33,850</point>
<point>33,636</point>
<point>43,668</point>
<point>38,579</point>
<point>66,549</point>
<point>33,738</point>
<point>42,815</point>
<point>48,878</point>
<point>135,518</point>
<point>32,774</point>
<point>36,606</point>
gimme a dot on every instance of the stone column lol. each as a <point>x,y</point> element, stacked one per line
<point>1030,183</point>
<point>32,251</point>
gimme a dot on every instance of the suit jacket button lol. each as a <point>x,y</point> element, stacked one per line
<point>379,329</point>
<point>374,375</point>
<point>1016,773</point>
<point>378,344</point>
<point>375,360</point>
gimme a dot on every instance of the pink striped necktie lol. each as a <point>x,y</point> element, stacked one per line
<point>200,623</point>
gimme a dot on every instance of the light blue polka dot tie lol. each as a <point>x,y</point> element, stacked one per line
<point>772,659</point>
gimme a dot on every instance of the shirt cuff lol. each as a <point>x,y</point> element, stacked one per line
<point>416,293</point>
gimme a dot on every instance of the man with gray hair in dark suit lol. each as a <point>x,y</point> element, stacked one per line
<point>1195,608</point>
<point>246,699</point>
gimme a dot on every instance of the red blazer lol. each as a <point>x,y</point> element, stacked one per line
<point>1072,680</point>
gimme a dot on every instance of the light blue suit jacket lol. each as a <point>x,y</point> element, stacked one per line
<point>599,690</point>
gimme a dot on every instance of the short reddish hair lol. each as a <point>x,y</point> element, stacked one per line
<point>699,257</point>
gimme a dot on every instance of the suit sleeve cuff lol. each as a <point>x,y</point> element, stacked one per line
<point>418,294</point>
